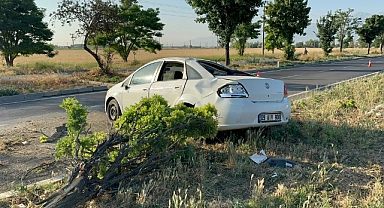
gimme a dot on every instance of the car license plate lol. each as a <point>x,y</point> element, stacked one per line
<point>269,117</point>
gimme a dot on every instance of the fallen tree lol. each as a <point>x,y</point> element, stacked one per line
<point>145,138</point>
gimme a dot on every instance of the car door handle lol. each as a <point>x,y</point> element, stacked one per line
<point>178,87</point>
<point>145,89</point>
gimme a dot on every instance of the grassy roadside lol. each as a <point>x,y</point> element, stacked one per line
<point>336,136</point>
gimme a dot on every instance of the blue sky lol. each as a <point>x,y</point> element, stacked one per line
<point>180,27</point>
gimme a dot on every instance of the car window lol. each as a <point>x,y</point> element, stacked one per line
<point>219,70</point>
<point>214,68</point>
<point>145,74</point>
<point>171,71</point>
<point>192,73</point>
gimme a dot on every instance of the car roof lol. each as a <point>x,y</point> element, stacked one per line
<point>180,59</point>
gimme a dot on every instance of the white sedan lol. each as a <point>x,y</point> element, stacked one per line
<point>241,99</point>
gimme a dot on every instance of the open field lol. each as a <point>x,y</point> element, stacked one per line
<point>77,60</point>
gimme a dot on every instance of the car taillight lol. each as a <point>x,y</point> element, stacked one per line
<point>232,91</point>
<point>285,91</point>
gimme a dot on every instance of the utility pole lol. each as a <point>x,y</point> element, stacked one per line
<point>73,37</point>
<point>263,42</point>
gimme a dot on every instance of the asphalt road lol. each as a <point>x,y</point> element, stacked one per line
<point>20,112</point>
<point>309,77</point>
<point>297,79</point>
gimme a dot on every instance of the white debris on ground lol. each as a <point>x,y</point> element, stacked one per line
<point>376,111</point>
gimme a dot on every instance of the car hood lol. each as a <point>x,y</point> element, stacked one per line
<point>260,89</point>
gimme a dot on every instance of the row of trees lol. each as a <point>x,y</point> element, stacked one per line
<point>126,27</point>
<point>231,20</point>
<point>117,28</point>
<point>341,25</point>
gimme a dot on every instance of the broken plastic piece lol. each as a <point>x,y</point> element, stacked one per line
<point>280,162</point>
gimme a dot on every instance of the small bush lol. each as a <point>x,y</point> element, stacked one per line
<point>9,92</point>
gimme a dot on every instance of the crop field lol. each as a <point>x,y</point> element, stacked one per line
<point>79,58</point>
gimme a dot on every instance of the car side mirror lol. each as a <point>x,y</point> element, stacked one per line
<point>126,87</point>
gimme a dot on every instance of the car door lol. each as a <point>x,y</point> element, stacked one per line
<point>139,84</point>
<point>170,81</point>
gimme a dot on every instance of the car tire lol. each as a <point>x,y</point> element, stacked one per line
<point>113,110</point>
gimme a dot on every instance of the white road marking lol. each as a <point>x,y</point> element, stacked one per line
<point>95,106</point>
<point>334,84</point>
<point>289,76</point>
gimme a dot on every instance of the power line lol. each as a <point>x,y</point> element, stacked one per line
<point>177,12</point>
<point>165,5</point>
<point>177,15</point>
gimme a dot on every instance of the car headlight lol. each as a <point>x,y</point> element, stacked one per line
<point>232,91</point>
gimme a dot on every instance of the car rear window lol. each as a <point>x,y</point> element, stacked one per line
<point>219,70</point>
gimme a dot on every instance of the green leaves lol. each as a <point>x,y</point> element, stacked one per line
<point>179,122</point>
<point>243,32</point>
<point>138,28</point>
<point>371,29</point>
<point>346,24</point>
<point>144,131</point>
<point>77,116</point>
<point>326,32</point>
<point>22,30</point>
<point>284,19</point>
<point>223,17</point>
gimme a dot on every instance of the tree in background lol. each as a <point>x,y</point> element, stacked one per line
<point>22,30</point>
<point>223,17</point>
<point>138,29</point>
<point>312,43</point>
<point>285,18</point>
<point>346,25</point>
<point>327,29</point>
<point>380,37</point>
<point>243,32</point>
<point>272,41</point>
<point>370,30</point>
<point>96,18</point>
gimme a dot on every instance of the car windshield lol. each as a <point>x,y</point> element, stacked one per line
<point>217,69</point>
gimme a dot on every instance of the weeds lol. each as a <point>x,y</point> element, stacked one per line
<point>336,142</point>
<point>9,92</point>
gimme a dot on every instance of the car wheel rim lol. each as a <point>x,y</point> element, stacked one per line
<point>112,112</point>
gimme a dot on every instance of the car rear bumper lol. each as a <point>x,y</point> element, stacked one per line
<point>240,113</point>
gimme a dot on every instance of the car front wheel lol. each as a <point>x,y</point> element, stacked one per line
<point>113,110</point>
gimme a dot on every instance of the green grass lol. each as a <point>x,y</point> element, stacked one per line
<point>338,144</point>
<point>9,92</point>
<point>338,148</point>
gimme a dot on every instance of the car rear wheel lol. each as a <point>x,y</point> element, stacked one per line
<point>113,110</point>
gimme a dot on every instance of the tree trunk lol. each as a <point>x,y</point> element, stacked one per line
<point>341,45</point>
<point>227,59</point>
<point>77,191</point>
<point>9,60</point>
<point>381,46</point>
<point>100,63</point>
<point>369,48</point>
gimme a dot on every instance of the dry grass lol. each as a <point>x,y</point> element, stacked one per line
<point>337,142</point>
<point>40,83</point>
<point>75,60</point>
<point>339,149</point>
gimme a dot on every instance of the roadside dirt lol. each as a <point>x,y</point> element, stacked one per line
<point>25,160</point>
